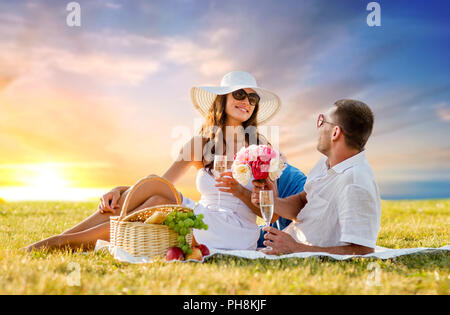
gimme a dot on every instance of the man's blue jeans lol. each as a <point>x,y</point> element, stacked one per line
<point>282,222</point>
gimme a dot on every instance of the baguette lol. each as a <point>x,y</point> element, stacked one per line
<point>157,217</point>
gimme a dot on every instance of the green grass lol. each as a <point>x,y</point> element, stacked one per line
<point>404,224</point>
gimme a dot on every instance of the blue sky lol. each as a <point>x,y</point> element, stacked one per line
<point>132,61</point>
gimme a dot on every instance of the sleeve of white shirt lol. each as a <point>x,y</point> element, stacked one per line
<point>359,216</point>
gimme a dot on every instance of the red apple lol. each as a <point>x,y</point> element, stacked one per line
<point>195,255</point>
<point>174,253</point>
<point>203,249</point>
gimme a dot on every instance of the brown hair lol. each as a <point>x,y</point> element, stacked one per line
<point>214,127</point>
<point>356,119</point>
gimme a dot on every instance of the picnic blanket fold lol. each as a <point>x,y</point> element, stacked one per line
<point>380,253</point>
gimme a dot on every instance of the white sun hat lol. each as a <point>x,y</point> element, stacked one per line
<point>203,96</point>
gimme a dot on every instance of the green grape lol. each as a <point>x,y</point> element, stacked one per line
<point>200,216</point>
<point>182,224</point>
<point>189,251</point>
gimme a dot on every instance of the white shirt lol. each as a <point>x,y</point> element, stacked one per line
<point>343,205</point>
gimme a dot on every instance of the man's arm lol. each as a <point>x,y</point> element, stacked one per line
<point>351,249</point>
<point>282,243</point>
<point>291,206</point>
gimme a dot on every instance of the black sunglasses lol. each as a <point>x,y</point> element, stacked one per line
<point>253,98</point>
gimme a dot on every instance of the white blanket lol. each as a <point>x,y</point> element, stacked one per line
<point>380,252</point>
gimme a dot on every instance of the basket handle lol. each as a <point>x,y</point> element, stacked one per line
<point>142,181</point>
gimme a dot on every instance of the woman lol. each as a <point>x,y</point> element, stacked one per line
<point>238,104</point>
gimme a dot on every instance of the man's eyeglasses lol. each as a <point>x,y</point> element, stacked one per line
<point>321,120</point>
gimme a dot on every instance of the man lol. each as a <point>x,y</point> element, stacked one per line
<point>339,210</point>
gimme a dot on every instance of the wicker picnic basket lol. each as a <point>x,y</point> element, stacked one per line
<point>142,239</point>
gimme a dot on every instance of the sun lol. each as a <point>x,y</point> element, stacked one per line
<point>47,176</point>
<point>47,181</point>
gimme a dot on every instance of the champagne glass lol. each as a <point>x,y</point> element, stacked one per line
<point>266,206</point>
<point>220,165</point>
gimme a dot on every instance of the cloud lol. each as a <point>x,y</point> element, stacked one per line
<point>114,6</point>
<point>112,68</point>
<point>443,111</point>
<point>207,60</point>
<point>109,57</point>
<point>444,114</point>
<point>46,61</point>
<point>5,80</point>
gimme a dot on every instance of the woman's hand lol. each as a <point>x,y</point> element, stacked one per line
<point>229,184</point>
<point>108,202</point>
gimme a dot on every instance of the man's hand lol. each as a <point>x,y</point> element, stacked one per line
<point>281,242</point>
<point>258,186</point>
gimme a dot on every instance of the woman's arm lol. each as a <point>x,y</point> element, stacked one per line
<point>185,159</point>
<point>177,170</point>
<point>121,189</point>
<point>227,183</point>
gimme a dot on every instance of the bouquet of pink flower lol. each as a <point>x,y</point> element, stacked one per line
<point>257,162</point>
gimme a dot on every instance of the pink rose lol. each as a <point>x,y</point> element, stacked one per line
<point>266,153</point>
<point>260,169</point>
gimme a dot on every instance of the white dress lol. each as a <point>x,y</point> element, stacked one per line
<point>232,226</point>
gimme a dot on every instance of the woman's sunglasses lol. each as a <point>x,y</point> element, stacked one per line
<point>253,98</point>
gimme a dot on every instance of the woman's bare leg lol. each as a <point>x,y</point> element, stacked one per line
<point>84,239</point>
<point>88,232</point>
<point>93,220</point>
<point>142,194</point>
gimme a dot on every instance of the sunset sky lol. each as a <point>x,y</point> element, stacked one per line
<point>85,109</point>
